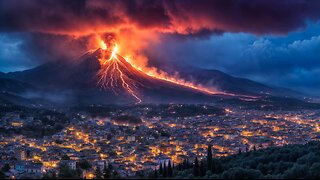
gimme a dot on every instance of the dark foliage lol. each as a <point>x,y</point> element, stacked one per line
<point>66,173</point>
<point>127,119</point>
<point>183,110</point>
<point>45,122</point>
<point>288,162</point>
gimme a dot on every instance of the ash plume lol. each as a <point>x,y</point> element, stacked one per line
<point>70,23</point>
<point>182,17</point>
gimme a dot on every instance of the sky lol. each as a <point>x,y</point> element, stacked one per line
<point>273,42</point>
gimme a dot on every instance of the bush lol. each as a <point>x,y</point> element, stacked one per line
<point>314,171</point>
<point>240,173</point>
<point>296,172</point>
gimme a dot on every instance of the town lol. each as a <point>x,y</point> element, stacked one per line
<point>140,138</point>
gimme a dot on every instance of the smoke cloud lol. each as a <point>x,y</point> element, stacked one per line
<point>182,17</point>
<point>59,29</point>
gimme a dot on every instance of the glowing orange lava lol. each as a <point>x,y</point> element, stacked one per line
<point>110,74</point>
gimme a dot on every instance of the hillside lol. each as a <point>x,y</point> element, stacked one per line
<point>228,83</point>
<point>288,162</point>
<point>86,81</point>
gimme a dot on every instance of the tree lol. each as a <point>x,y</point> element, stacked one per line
<point>106,173</point>
<point>160,169</point>
<point>109,137</point>
<point>155,174</point>
<point>110,166</point>
<point>49,175</point>
<point>150,175</point>
<point>217,166</point>
<point>240,173</point>
<point>98,173</point>
<point>185,164</point>
<point>213,166</point>
<point>170,171</point>
<point>209,157</point>
<point>115,175</point>
<point>164,170</point>
<point>5,168</point>
<point>2,175</point>
<point>54,175</point>
<point>196,168</point>
<point>65,157</point>
<point>141,174</point>
<point>296,172</point>
<point>66,173</point>
<point>202,170</point>
<point>84,164</point>
<point>112,153</point>
<point>314,172</point>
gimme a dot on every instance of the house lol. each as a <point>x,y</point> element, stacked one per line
<point>21,154</point>
<point>150,165</point>
<point>34,168</point>
<point>70,163</point>
<point>131,138</point>
<point>20,167</point>
<point>101,164</point>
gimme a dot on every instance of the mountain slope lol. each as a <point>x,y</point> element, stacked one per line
<point>79,79</point>
<point>233,84</point>
<point>89,80</point>
<point>15,86</point>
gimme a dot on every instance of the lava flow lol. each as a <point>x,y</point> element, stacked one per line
<point>110,75</point>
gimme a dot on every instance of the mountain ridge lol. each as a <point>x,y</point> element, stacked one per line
<point>79,79</point>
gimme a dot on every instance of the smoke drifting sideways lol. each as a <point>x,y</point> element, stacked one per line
<point>57,29</point>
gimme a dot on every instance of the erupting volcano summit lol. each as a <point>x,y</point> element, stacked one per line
<point>103,76</point>
<point>117,73</point>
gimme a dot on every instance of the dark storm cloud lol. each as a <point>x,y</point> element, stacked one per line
<point>19,51</point>
<point>42,30</point>
<point>184,17</point>
<point>11,55</point>
<point>292,61</point>
<point>47,47</point>
<point>46,25</point>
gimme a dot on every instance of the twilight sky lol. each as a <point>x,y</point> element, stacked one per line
<point>270,41</point>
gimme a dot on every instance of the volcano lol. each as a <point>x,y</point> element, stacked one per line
<point>117,73</point>
<point>102,78</point>
<point>122,78</point>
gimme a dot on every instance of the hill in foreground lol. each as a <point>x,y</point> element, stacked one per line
<point>288,162</point>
